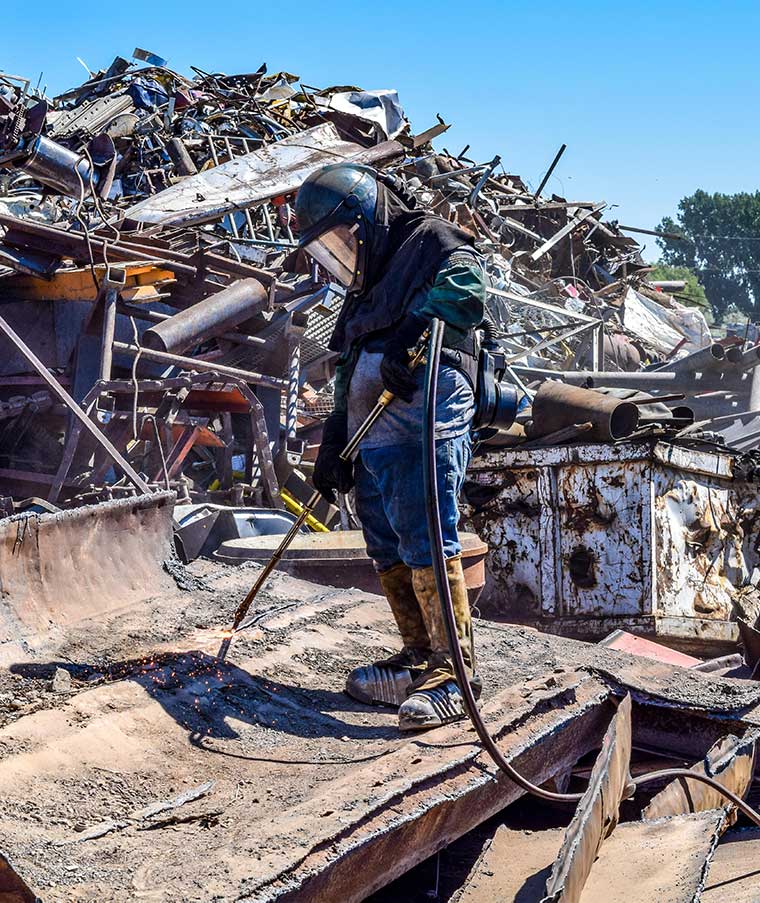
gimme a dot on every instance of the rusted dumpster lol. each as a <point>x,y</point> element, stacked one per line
<point>651,537</point>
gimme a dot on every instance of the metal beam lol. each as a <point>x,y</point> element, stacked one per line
<point>565,230</point>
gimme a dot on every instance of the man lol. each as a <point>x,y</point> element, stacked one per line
<point>400,267</point>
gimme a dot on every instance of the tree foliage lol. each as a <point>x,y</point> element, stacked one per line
<point>694,293</point>
<point>721,245</point>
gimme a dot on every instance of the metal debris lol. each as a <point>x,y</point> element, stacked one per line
<point>187,184</point>
<point>730,761</point>
<point>597,814</point>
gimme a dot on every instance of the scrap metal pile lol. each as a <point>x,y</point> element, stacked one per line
<point>146,259</point>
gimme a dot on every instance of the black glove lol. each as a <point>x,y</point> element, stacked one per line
<point>394,367</point>
<point>330,471</point>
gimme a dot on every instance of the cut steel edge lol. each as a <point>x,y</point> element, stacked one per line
<point>731,761</point>
<point>597,813</point>
<point>13,888</point>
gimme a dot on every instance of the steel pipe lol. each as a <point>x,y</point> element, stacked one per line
<point>154,316</point>
<point>557,405</point>
<point>57,167</point>
<point>644,379</point>
<point>208,318</point>
<point>709,358</point>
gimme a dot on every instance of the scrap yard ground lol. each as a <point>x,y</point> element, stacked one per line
<point>158,774</point>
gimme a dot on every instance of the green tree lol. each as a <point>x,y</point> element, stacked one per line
<point>721,244</point>
<point>693,294</point>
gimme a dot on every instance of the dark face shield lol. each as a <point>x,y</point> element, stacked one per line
<point>337,250</point>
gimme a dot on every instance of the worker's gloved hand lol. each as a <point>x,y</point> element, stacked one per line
<point>394,367</point>
<point>331,473</point>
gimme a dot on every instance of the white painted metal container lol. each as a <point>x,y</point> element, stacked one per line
<point>650,537</point>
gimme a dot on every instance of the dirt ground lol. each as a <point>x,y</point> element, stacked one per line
<point>136,766</point>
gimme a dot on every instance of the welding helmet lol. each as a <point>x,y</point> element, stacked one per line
<point>336,208</point>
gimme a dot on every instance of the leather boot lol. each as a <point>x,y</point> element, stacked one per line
<point>434,697</point>
<point>386,682</point>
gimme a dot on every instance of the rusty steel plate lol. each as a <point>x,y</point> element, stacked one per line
<point>731,761</point>
<point>597,813</point>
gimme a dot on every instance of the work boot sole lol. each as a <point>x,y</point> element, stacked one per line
<point>379,685</point>
<point>431,708</point>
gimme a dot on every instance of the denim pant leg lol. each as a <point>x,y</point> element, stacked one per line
<point>397,478</point>
<point>381,540</point>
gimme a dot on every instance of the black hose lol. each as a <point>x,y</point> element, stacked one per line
<point>441,580</point>
<point>668,773</point>
<point>489,330</point>
<point>435,533</point>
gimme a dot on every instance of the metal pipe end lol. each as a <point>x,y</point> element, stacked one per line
<point>624,420</point>
<point>734,354</point>
<point>153,341</point>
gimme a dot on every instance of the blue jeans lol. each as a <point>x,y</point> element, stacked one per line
<point>390,500</point>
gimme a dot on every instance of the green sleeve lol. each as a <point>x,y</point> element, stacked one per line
<point>343,370</point>
<point>458,294</point>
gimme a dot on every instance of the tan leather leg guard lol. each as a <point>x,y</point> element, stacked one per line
<point>399,590</point>
<point>387,682</point>
<point>440,668</point>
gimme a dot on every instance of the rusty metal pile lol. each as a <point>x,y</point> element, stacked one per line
<point>161,332</point>
<point>146,239</point>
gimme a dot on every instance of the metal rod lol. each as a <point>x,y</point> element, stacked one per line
<point>550,170</point>
<point>353,443</point>
<point>547,343</point>
<point>75,409</point>
<point>194,363</point>
<point>294,377</point>
<point>672,235</point>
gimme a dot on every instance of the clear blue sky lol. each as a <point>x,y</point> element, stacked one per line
<point>654,99</point>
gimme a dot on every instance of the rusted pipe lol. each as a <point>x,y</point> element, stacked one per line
<point>155,316</point>
<point>208,318</point>
<point>557,405</point>
<point>183,162</point>
<point>733,355</point>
